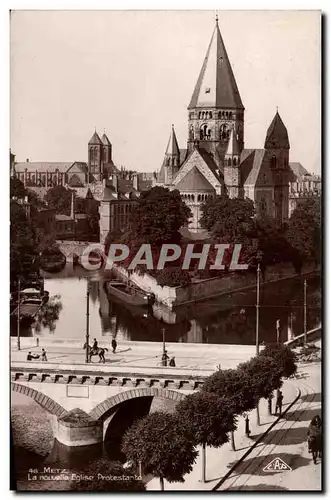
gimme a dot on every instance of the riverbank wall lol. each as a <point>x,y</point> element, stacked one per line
<point>202,289</point>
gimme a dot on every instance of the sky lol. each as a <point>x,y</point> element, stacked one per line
<point>132,73</point>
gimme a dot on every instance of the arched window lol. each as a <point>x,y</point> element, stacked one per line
<point>234,162</point>
<point>229,162</point>
<point>210,115</point>
<point>167,162</point>
<point>219,115</point>
<point>203,132</point>
<point>230,115</point>
<point>273,162</point>
<point>224,132</point>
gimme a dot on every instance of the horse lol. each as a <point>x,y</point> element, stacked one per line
<point>99,351</point>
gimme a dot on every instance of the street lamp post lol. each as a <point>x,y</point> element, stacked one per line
<point>163,340</point>
<point>305,311</point>
<point>87,340</point>
<point>257,309</point>
<point>257,329</point>
<point>19,316</point>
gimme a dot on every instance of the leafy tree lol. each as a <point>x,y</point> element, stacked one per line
<point>304,231</point>
<point>265,376</point>
<point>125,480</point>
<point>58,198</point>
<point>173,276</point>
<point>236,387</point>
<point>157,219</point>
<point>17,188</point>
<point>231,220</point>
<point>158,442</point>
<point>283,356</point>
<point>208,419</point>
<point>23,244</point>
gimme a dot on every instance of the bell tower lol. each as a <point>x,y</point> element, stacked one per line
<point>277,146</point>
<point>171,158</point>
<point>95,151</point>
<point>216,107</point>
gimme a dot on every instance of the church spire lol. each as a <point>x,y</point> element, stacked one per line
<point>216,86</point>
<point>172,148</point>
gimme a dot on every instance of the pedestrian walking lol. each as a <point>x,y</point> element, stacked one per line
<point>165,358</point>
<point>315,437</point>
<point>172,361</point>
<point>279,402</point>
<point>114,345</point>
<point>43,355</point>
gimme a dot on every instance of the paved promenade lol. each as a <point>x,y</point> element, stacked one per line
<point>136,354</point>
<point>287,440</point>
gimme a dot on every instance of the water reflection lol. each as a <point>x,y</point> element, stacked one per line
<point>223,320</point>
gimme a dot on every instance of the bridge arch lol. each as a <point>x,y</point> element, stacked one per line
<point>101,409</point>
<point>44,401</point>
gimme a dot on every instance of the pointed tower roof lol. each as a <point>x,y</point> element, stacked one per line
<point>105,140</point>
<point>233,146</point>
<point>216,86</point>
<point>277,134</point>
<point>172,148</point>
<point>95,139</point>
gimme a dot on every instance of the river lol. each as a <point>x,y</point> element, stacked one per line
<point>209,321</point>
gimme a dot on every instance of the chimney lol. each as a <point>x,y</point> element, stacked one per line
<point>136,181</point>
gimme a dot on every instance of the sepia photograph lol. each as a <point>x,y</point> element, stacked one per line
<point>165,250</point>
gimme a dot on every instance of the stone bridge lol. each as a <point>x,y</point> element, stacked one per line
<point>85,400</point>
<point>72,249</point>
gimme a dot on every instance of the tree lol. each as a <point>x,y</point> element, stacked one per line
<point>157,219</point>
<point>58,198</point>
<point>230,221</point>
<point>207,419</point>
<point>236,387</point>
<point>304,231</point>
<point>173,276</point>
<point>23,244</point>
<point>265,376</point>
<point>283,356</point>
<point>17,188</point>
<point>125,480</point>
<point>158,442</point>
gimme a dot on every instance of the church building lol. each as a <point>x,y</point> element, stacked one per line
<point>216,161</point>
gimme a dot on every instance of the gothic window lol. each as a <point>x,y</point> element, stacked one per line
<point>168,162</point>
<point>219,115</point>
<point>209,134</point>
<point>234,162</point>
<point>210,115</point>
<point>230,115</point>
<point>229,162</point>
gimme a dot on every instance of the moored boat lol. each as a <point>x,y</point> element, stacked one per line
<point>129,293</point>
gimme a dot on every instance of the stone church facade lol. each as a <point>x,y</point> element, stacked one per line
<point>216,161</point>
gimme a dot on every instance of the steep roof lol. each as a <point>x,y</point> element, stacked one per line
<point>105,140</point>
<point>298,170</point>
<point>43,166</point>
<point>255,167</point>
<point>172,148</point>
<point>194,181</point>
<point>277,134</point>
<point>216,86</point>
<point>95,139</point>
<point>233,146</point>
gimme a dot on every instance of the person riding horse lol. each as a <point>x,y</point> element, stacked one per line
<point>315,437</point>
<point>96,351</point>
